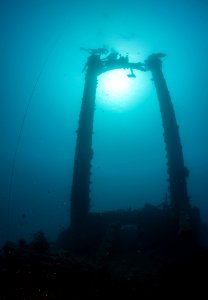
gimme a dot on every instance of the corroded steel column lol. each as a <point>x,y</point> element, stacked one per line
<point>80,193</point>
<point>177,171</point>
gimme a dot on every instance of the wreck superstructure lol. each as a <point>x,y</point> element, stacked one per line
<point>177,171</point>
<point>80,194</point>
<point>98,63</point>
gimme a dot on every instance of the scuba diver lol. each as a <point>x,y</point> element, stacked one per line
<point>93,52</point>
<point>112,56</point>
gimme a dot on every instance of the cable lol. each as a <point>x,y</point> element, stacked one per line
<point>11,182</point>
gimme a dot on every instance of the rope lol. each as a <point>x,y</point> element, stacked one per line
<point>29,101</point>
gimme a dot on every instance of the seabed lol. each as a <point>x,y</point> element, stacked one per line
<point>126,254</point>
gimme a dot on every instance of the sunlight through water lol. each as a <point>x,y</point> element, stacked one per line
<point>118,91</point>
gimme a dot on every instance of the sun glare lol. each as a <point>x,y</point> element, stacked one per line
<point>116,83</point>
<point>117,90</point>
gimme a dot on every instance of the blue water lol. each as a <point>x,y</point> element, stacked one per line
<point>42,73</point>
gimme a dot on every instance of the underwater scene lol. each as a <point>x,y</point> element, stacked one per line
<point>104,142</point>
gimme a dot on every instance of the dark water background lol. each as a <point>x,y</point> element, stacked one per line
<point>40,57</point>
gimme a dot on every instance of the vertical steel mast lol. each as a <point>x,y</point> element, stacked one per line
<point>177,171</point>
<point>80,193</point>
